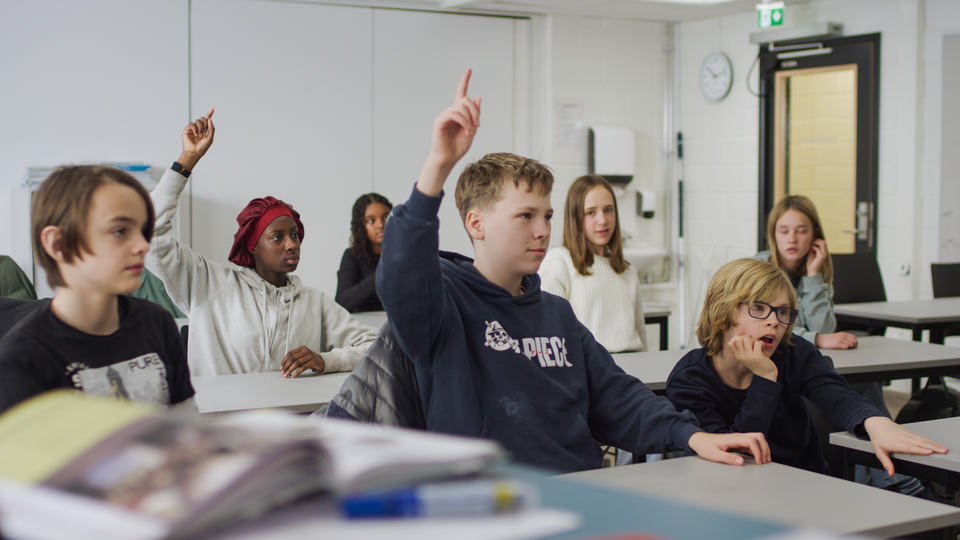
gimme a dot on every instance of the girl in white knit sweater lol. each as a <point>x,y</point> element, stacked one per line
<point>590,272</point>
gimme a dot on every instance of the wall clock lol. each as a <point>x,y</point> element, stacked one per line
<point>716,76</point>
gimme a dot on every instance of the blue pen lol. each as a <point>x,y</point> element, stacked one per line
<point>463,498</point>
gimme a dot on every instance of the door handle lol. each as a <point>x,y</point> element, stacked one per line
<point>863,221</point>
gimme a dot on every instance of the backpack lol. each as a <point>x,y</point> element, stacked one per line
<point>930,403</point>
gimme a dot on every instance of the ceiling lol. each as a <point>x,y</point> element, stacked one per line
<point>669,10</point>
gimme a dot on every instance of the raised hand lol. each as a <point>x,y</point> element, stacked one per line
<point>197,138</point>
<point>749,352</point>
<point>816,256</point>
<point>718,446</point>
<point>453,132</point>
<point>299,360</point>
<point>886,436</point>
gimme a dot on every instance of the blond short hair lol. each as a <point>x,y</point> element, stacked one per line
<point>481,183</point>
<point>742,280</point>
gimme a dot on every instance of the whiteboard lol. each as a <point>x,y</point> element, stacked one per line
<point>318,104</point>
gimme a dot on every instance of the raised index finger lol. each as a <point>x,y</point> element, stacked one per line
<point>464,82</point>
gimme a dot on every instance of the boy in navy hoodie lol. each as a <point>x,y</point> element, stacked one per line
<point>496,358</point>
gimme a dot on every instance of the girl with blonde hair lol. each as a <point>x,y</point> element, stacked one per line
<point>797,246</point>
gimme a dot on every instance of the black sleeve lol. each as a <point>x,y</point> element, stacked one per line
<point>22,373</point>
<point>624,412</point>
<point>690,388</point>
<point>353,289</point>
<point>822,385</point>
<point>178,371</point>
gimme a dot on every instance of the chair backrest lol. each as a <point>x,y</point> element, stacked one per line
<point>13,282</point>
<point>857,278</point>
<point>185,336</point>
<point>946,279</point>
<point>383,388</point>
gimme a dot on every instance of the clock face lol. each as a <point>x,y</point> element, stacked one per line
<point>716,76</point>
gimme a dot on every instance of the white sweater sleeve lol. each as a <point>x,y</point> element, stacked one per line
<point>345,339</point>
<point>640,320</point>
<point>188,278</point>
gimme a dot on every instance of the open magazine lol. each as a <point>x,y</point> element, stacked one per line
<point>112,469</point>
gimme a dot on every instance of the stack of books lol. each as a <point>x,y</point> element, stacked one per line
<point>83,467</point>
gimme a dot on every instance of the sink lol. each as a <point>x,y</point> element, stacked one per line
<point>645,260</point>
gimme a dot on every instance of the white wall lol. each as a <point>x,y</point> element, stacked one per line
<point>101,80</point>
<point>615,70</point>
<point>316,104</point>
<point>721,153</point>
<point>941,179</point>
<point>415,77</point>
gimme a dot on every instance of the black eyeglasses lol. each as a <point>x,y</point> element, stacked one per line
<point>762,310</point>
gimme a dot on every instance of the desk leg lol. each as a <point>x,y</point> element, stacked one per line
<point>937,335</point>
<point>917,333</point>
<point>847,466</point>
<point>915,382</point>
<point>665,335</point>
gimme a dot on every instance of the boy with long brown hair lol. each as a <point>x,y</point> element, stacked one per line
<point>91,229</point>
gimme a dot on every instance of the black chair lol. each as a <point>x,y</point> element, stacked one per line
<point>857,278</point>
<point>946,279</point>
<point>184,335</point>
<point>381,389</point>
<point>946,283</point>
<point>824,428</point>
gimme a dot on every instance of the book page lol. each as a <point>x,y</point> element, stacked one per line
<point>42,435</point>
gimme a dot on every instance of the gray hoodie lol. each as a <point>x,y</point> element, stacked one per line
<point>239,322</point>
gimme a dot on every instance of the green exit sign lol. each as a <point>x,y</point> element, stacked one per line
<point>770,17</point>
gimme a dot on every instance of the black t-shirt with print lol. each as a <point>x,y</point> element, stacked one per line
<point>144,360</point>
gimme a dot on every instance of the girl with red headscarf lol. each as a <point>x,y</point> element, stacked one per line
<point>255,317</point>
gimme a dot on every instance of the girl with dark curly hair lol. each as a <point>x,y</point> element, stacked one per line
<point>356,279</point>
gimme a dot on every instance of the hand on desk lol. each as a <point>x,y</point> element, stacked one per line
<point>887,436</point>
<point>838,340</point>
<point>299,360</point>
<point>717,446</point>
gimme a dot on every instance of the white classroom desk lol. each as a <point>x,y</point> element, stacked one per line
<point>876,358</point>
<point>249,391</point>
<point>934,314</point>
<point>944,468</point>
<point>777,493</point>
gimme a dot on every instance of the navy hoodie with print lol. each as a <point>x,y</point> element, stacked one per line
<point>521,370</point>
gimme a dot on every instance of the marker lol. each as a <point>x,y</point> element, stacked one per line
<point>465,498</point>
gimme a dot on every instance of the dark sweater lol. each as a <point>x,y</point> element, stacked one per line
<point>142,361</point>
<point>772,408</point>
<point>521,370</point>
<point>357,285</point>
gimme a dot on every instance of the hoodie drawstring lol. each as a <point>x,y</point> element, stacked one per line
<point>265,342</point>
